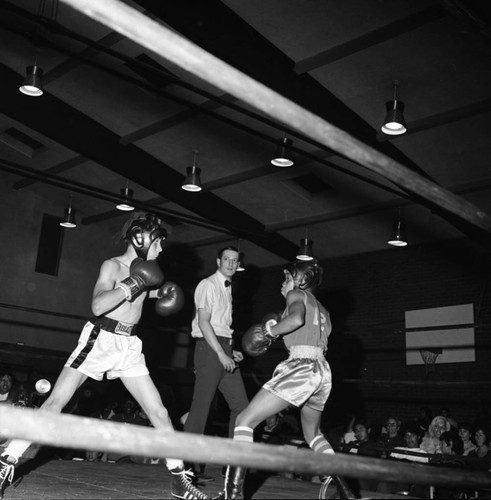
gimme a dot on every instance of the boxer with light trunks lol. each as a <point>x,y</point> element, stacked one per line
<point>109,344</point>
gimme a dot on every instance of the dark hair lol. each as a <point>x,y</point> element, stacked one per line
<point>4,370</point>
<point>222,250</point>
<point>361,421</point>
<point>311,270</point>
<point>450,438</point>
<point>413,428</point>
<point>467,426</point>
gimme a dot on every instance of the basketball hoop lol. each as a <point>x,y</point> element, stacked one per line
<point>429,358</point>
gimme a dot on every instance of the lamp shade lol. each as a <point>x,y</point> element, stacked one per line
<point>283,156</point>
<point>32,84</point>
<point>69,220</point>
<point>305,250</point>
<point>241,262</point>
<point>398,237</point>
<point>394,123</point>
<point>126,195</point>
<point>192,181</point>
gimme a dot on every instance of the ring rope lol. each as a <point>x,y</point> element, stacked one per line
<point>70,431</point>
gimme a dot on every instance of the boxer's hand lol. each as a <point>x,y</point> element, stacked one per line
<point>170,299</point>
<point>144,274</point>
<point>258,338</point>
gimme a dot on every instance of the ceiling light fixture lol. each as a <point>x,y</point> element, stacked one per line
<point>240,267</point>
<point>398,237</point>
<point>69,220</point>
<point>394,123</point>
<point>32,84</point>
<point>192,182</point>
<point>283,156</point>
<point>126,196</point>
<point>305,250</point>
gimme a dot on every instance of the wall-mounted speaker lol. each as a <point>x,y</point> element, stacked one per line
<point>50,245</point>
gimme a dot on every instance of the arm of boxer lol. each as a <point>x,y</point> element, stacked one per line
<point>295,317</point>
<point>105,297</point>
<point>144,274</point>
<point>170,299</point>
<point>204,323</point>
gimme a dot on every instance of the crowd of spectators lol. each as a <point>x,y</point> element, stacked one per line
<point>438,440</point>
<point>433,440</point>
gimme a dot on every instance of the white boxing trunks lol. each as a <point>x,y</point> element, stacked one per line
<point>303,378</point>
<point>111,347</point>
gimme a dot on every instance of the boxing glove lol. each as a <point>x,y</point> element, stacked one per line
<point>258,338</point>
<point>144,274</point>
<point>170,299</point>
<point>271,315</point>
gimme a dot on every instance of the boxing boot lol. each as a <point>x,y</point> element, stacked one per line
<point>182,485</point>
<point>7,468</point>
<point>344,490</point>
<point>234,482</point>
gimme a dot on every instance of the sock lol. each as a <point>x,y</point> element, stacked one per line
<point>321,445</point>
<point>16,448</point>
<point>245,434</point>
<point>174,463</point>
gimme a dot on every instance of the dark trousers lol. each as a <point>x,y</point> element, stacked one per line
<point>210,376</point>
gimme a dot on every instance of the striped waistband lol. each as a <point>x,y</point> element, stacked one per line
<point>222,340</point>
<point>113,326</point>
<point>306,351</point>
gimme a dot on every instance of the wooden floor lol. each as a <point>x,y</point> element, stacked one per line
<point>65,479</point>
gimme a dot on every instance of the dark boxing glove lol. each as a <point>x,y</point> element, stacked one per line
<point>144,274</point>
<point>170,299</point>
<point>271,315</point>
<point>258,338</point>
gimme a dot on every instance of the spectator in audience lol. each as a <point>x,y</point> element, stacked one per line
<point>365,446</point>
<point>128,413</point>
<point>7,392</point>
<point>451,443</point>
<point>445,412</point>
<point>412,436</point>
<point>465,433</point>
<point>390,438</point>
<point>431,441</point>
<point>424,418</point>
<point>349,433</point>
<point>480,458</point>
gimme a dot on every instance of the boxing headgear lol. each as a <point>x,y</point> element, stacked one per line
<point>143,231</point>
<point>306,274</point>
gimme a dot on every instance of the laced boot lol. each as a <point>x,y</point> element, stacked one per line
<point>325,482</point>
<point>234,482</point>
<point>344,490</point>
<point>182,485</point>
<point>7,467</point>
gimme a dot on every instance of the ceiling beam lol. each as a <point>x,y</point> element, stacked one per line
<point>88,138</point>
<point>380,35</point>
<point>56,169</point>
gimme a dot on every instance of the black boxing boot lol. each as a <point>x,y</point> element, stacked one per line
<point>234,483</point>
<point>344,491</point>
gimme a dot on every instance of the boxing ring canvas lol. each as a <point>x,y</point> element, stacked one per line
<point>455,338</point>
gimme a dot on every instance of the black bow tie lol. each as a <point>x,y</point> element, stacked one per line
<point>227,283</point>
